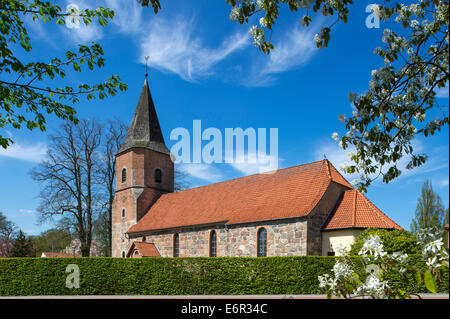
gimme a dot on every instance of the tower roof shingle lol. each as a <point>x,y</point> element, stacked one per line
<point>145,131</point>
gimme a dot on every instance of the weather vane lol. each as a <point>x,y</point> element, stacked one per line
<point>146,66</point>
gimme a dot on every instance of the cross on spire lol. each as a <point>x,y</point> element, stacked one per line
<point>146,66</point>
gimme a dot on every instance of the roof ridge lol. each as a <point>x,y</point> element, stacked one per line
<point>337,171</point>
<point>237,178</point>
<point>309,208</point>
<point>328,169</point>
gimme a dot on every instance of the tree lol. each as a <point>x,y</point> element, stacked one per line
<point>430,212</point>
<point>181,180</point>
<point>53,239</point>
<point>22,246</point>
<point>113,139</point>
<point>8,230</point>
<point>70,178</point>
<point>23,100</point>
<point>392,240</point>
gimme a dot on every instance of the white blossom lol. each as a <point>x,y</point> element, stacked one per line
<point>257,36</point>
<point>432,262</point>
<point>263,22</point>
<point>317,39</point>
<point>373,286</point>
<point>341,250</point>
<point>372,247</point>
<point>260,4</point>
<point>235,13</point>
<point>335,136</point>
<point>376,10</point>
<point>433,247</point>
<point>342,270</point>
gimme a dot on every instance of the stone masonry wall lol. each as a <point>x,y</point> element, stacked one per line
<point>284,238</point>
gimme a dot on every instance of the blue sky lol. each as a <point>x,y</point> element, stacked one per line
<point>204,67</point>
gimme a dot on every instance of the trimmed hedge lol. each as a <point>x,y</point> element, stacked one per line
<point>171,276</point>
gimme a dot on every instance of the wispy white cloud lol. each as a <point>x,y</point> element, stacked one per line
<point>28,211</point>
<point>443,183</point>
<point>294,49</point>
<point>127,15</point>
<point>261,163</point>
<point>442,92</point>
<point>202,171</point>
<point>34,153</point>
<point>173,47</point>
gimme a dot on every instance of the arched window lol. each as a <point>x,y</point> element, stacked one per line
<point>123,254</point>
<point>213,244</point>
<point>176,245</point>
<point>136,252</point>
<point>262,242</point>
<point>158,176</point>
<point>123,212</point>
<point>124,175</point>
<point>144,238</point>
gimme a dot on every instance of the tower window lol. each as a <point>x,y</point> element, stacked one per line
<point>176,245</point>
<point>123,213</point>
<point>124,175</point>
<point>158,176</point>
<point>262,242</point>
<point>123,254</point>
<point>213,244</point>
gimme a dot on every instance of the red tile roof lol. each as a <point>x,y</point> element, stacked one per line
<point>145,249</point>
<point>289,192</point>
<point>356,211</point>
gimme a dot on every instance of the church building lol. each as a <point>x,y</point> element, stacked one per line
<point>303,210</point>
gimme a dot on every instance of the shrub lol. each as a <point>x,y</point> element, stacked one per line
<point>168,276</point>
<point>393,241</point>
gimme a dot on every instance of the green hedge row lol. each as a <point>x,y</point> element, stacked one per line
<point>172,276</point>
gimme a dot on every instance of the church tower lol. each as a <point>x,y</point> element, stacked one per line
<point>144,171</point>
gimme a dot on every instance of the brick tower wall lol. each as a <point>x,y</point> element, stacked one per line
<point>138,192</point>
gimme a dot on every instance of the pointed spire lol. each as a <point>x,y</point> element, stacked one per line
<point>144,131</point>
<point>146,67</point>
